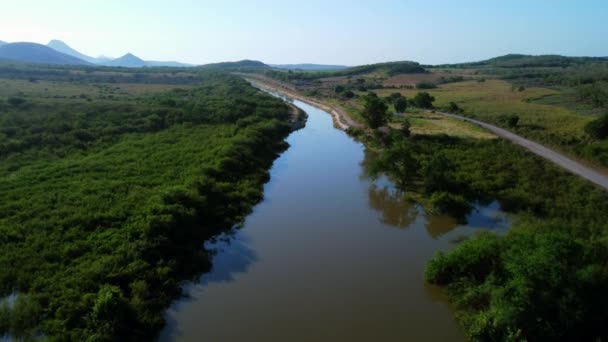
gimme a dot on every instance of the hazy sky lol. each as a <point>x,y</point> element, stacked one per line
<point>317,31</point>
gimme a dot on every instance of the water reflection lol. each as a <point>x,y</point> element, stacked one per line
<point>396,210</point>
<point>231,255</point>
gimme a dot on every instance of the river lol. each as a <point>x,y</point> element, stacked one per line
<point>328,255</point>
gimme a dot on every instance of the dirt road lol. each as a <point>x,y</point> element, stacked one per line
<point>538,149</point>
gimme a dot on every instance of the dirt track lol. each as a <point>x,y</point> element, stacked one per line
<point>538,149</point>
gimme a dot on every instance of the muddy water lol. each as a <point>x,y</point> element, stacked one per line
<point>329,255</point>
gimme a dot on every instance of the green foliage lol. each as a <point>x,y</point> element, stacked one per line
<point>425,85</point>
<point>15,101</point>
<point>511,120</point>
<point>389,69</point>
<point>375,111</point>
<point>536,285</point>
<point>106,206</point>
<point>423,100</point>
<point>339,89</point>
<point>400,104</point>
<point>399,161</point>
<point>453,107</point>
<point>596,93</point>
<point>406,128</point>
<point>598,128</point>
<point>545,279</point>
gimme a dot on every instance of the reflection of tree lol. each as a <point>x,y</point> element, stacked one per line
<point>438,225</point>
<point>366,163</point>
<point>395,208</point>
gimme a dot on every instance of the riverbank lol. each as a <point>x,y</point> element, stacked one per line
<point>341,119</point>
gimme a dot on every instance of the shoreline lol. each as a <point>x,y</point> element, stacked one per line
<point>340,118</point>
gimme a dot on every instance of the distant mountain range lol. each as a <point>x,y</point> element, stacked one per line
<point>58,52</point>
<point>37,53</point>
<point>309,67</point>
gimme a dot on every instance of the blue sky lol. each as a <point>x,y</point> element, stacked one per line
<point>331,32</point>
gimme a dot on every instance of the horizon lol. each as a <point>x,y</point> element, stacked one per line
<point>340,33</point>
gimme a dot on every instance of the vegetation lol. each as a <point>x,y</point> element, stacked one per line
<point>107,203</point>
<point>423,100</point>
<point>545,279</point>
<point>375,111</point>
<point>598,128</point>
<point>391,68</point>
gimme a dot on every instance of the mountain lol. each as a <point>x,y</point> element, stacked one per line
<point>66,49</point>
<point>2,42</point>
<point>37,53</point>
<point>309,67</point>
<point>129,60</point>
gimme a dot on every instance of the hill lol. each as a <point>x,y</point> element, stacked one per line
<point>129,60</point>
<point>309,67</point>
<point>37,53</point>
<point>168,64</point>
<point>531,61</point>
<point>62,47</point>
<point>244,65</point>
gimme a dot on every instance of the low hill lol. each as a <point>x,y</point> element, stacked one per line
<point>309,67</point>
<point>532,61</point>
<point>129,60</point>
<point>37,53</point>
<point>243,66</point>
<point>167,64</point>
<point>383,69</point>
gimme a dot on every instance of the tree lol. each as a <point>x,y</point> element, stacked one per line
<point>398,160</point>
<point>393,97</point>
<point>453,108</point>
<point>400,104</point>
<point>598,128</point>
<point>349,94</point>
<point>406,128</point>
<point>375,111</point>
<point>423,100</point>
<point>510,120</point>
<point>339,89</point>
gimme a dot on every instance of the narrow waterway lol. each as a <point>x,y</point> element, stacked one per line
<point>329,255</point>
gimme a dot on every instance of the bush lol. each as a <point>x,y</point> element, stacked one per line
<point>598,128</point>
<point>448,203</point>
<point>425,85</point>
<point>15,101</point>
<point>400,104</point>
<point>423,100</point>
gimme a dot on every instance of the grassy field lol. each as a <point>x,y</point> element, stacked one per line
<point>424,123</point>
<point>495,98</point>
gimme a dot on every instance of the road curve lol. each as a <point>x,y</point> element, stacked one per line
<point>540,150</point>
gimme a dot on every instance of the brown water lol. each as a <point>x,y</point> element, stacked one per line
<point>329,255</point>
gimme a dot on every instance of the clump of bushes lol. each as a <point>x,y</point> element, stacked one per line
<point>598,128</point>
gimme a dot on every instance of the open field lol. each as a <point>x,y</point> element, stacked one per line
<point>495,98</point>
<point>424,123</point>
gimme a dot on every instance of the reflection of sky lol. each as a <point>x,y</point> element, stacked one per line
<point>232,255</point>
